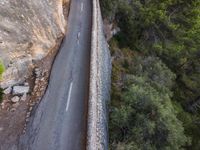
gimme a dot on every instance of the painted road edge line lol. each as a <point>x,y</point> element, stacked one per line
<point>81,6</point>
<point>69,96</point>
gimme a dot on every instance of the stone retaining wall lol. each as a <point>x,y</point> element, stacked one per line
<point>100,81</point>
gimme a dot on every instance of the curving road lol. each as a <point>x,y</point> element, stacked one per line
<point>59,122</point>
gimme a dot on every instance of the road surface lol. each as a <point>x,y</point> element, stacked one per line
<point>59,122</point>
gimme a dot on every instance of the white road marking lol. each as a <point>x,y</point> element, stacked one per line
<point>81,6</point>
<point>69,96</point>
<point>78,41</point>
<point>78,35</point>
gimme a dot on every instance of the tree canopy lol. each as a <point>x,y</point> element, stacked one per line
<point>158,45</point>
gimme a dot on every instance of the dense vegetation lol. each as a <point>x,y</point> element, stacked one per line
<point>156,74</point>
<point>1,68</point>
<point>1,71</point>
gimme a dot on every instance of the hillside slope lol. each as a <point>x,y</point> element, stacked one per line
<point>28,32</point>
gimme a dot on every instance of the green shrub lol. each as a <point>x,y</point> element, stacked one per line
<point>147,118</point>
<point>2,68</point>
<point>169,30</point>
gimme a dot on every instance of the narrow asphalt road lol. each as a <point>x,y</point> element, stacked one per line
<point>59,122</point>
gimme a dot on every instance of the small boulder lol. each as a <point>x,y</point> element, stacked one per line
<point>15,105</point>
<point>38,72</point>
<point>12,109</point>
<point>26,84</point>
<point>20,90</point>
<point>15,99</point>
<point>7,90</point>
<point>23,98</point>
<point>31,108</point>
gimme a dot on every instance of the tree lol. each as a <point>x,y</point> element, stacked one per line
<point>154,70</point>
<point>169,30</point>
<point>146,119</point>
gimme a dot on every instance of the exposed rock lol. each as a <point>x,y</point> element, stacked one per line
<point>2,105</point>
<point>38,72</point>
<point>7,90</point>
<point>31,104</point>
<point>26,84</point>
<point>31,108</point>
<point>36,81</point>
<point>29,30</point>
<point>20,89</point>
<point>24,97</point>
<point>38,94</point>
<point>15,99</point>
<point>28,115</point>
<point>12,109</point>
<point>1,129</point>
<point>27,119</point>
<point>42,79</point>
<point>110,29</point>
<point>15,105</point>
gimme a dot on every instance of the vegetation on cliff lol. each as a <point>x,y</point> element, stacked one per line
<point>156,74</point>
<point>1,71</point>
<point>1,68</point>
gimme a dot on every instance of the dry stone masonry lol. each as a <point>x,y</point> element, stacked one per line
<point>100,81</point>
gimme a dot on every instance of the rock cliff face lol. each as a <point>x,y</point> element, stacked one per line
<point>29,30</point>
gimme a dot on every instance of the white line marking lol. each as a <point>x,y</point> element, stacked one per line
<point>82,6</point>
<point>78,35</point>
<point>69,96</point>
<point>78,41</point>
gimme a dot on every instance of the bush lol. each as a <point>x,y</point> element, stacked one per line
<point>143,116</point>
<point>169,30</point>
<point>2,68</point>
<point>147,118</point>
<point>1,71</point>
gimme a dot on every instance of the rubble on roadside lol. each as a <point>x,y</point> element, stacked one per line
<point>26,92</point>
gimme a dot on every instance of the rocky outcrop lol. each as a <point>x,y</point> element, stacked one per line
<point>100,81</point>
<point>110,29</point>
<point>20,90</point>
<point>29,30</point>
<point>15,99</point>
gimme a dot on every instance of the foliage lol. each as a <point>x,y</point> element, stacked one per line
<point>1,68</point>
<point>147,118</point>
<point>157,73</point>
<point>1,71</point>
<point>170,26</point>
<point>109,8</point>
<point>166,34</point>
<point>169,29</point>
